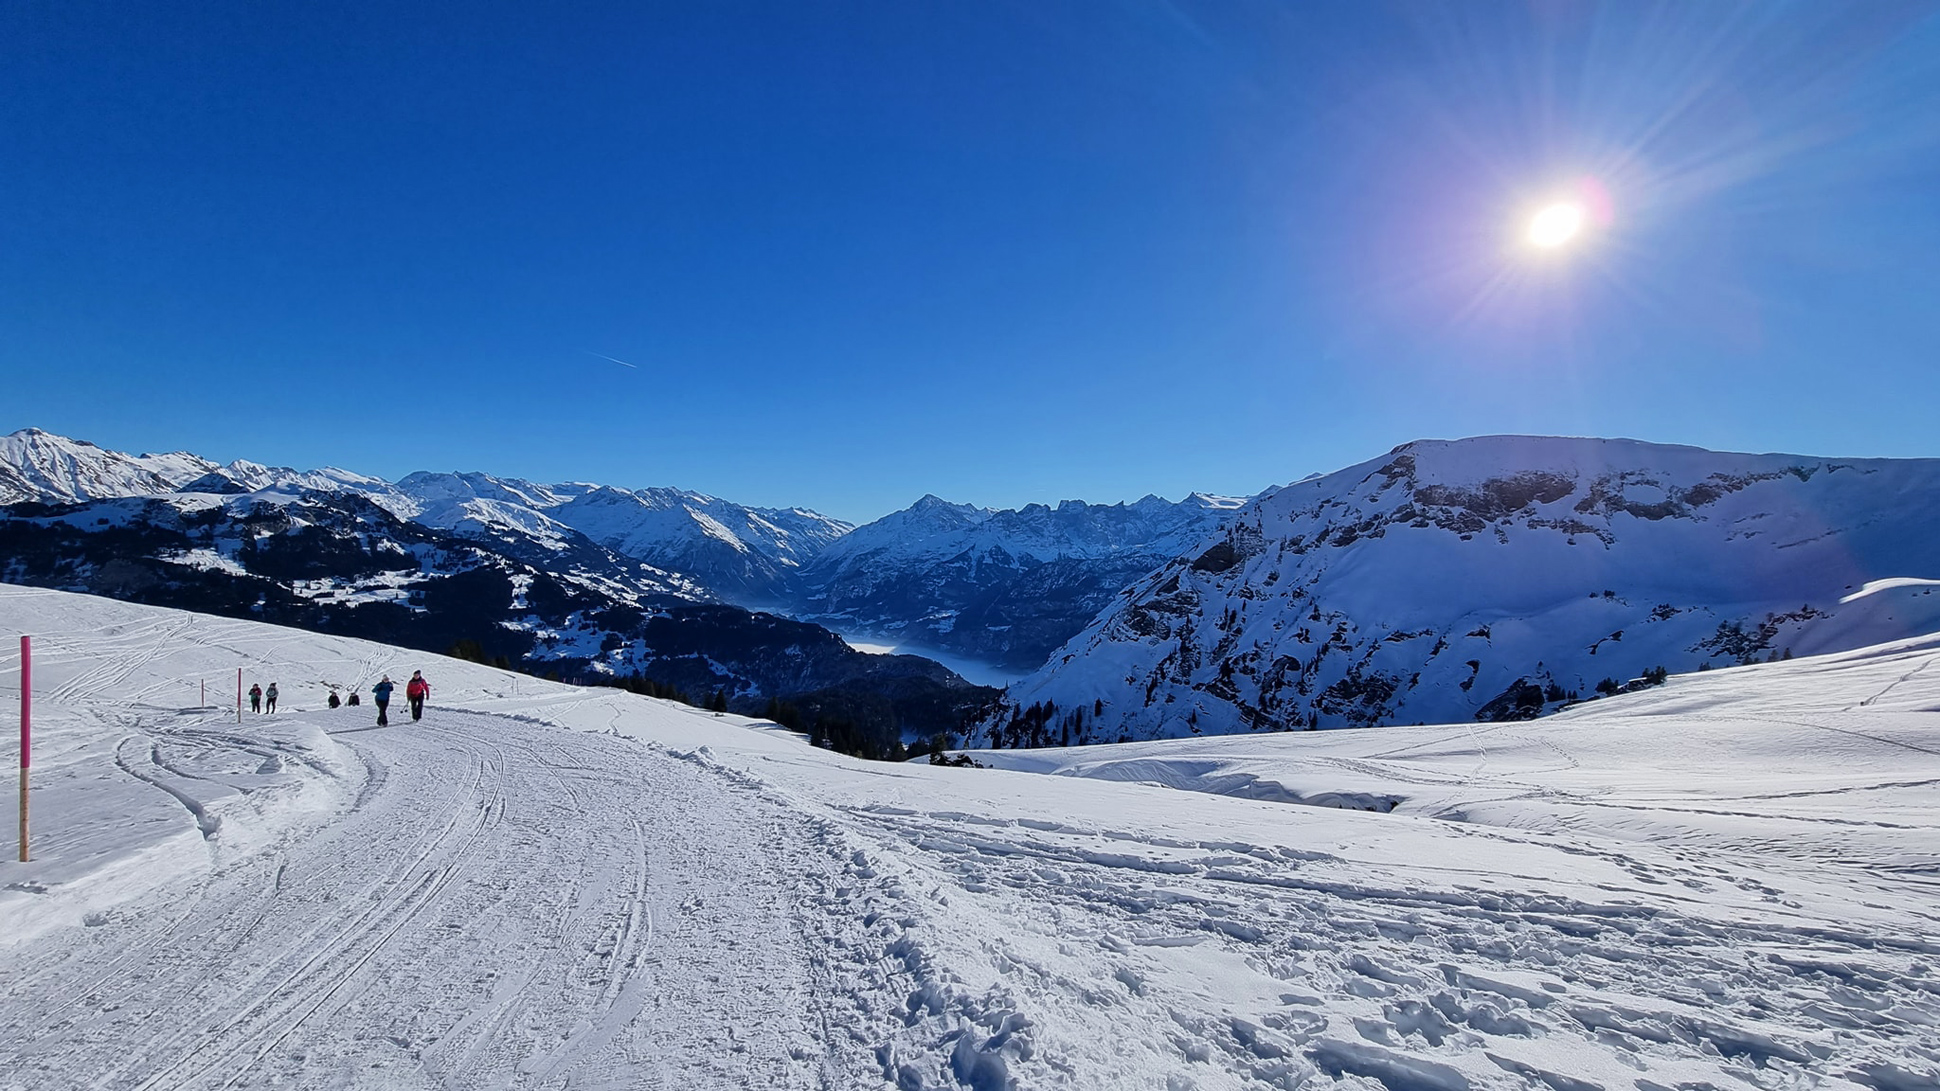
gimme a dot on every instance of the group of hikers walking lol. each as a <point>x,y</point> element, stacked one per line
<point>415,693</point>
<point>257,695</point>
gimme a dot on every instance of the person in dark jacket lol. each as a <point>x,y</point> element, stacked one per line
<point>381,693</point>
<point>354,700</point>
<point>415,691</point>
<point>269,695</point>
<point>334,699</point>
<point>255,697</point>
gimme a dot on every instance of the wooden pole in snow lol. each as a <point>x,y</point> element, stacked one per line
<point>239,695</point>
<point>26,732</point>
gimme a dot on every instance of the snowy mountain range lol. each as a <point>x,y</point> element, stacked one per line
<point>1001,587</point>
<point>439,562</point>
<point>337,563</point>
<point>37,465</point>
<point>742,554</point>
<point>1490,578</point>
<point>722,549</point>
<point>1004,587</point>
<point>1496,578</point>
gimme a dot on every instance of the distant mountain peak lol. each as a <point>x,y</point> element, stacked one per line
<point>41,465</point>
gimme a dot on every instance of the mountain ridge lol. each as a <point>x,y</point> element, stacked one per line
<point>994,586</point>
<point>1496,577</point>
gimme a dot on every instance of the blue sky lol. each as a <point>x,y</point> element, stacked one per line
<point>1002,252</point>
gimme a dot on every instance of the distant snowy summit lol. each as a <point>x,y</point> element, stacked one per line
<point>1004,587</point>
<point>41,466</point>
<point>1496,578</point>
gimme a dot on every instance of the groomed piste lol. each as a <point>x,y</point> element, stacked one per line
<point>1729,881</point>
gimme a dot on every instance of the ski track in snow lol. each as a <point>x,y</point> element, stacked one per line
<point>1378,978</point>
<point>664,899</point>
<point>498,906</point>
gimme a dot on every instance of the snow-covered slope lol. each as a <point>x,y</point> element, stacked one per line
<point>480,505</point>
<point>1005,587</point>
<point>743,554</point>
<point>335,562</point>
<point>1778,759</point>
<point>1498,577</point>
<point>37,465</point>
<point>476,563</point>
<point>546,886</point>
<point>242,476</point>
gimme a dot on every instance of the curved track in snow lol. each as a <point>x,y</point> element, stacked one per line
<point>496,906</point>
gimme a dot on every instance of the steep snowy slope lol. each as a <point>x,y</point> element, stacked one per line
<point>1495,578</point>
<point>37,465</point>
<point>1004,587</point>
<point>658,898</point>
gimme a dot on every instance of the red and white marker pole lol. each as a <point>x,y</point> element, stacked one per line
<point>26,732</point>
<point>239,695</point>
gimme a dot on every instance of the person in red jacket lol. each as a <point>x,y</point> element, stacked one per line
<point>415,691</point>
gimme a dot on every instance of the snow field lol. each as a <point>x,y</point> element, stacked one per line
<point>665,898</point>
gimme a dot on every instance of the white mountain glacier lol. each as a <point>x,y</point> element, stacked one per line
<point>1496,578</point>
<point>1000,586</point>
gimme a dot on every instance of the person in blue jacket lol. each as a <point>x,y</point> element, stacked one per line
<point>382,693</point>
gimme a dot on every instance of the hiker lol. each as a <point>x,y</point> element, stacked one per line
<point>255,697</point>
<point>354,699</point>
<point>334,699</point>
<point>381,692</point>
<point>415,691</point>
<point>270,696</point>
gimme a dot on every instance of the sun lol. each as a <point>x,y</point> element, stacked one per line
<point>1556,224</point>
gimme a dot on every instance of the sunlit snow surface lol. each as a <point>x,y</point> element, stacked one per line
<point>1726,882</point>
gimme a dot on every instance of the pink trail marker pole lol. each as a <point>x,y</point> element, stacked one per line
<point>26,732</point>
<point>239,695</point>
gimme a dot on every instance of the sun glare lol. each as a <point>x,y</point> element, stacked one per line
<point>1556,225</point>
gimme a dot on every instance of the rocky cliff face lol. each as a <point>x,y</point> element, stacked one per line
<point>1493,578</point>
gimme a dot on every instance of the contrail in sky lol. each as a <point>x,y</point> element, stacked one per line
<point>622,363</point>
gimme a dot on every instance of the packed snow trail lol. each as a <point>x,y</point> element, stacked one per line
<point>497,907</point>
